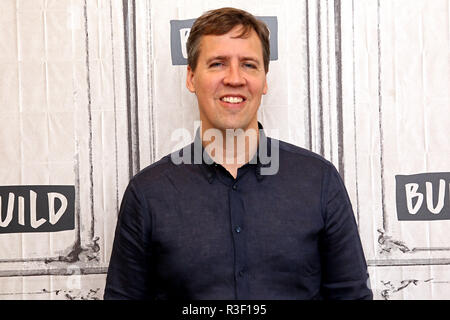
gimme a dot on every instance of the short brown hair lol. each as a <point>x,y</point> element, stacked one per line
<point>220,22</point>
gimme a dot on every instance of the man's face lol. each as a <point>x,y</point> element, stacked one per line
<point>229,80</point>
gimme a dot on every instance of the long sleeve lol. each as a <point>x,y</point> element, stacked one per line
<point>129,268</point>
<point>345,274</point>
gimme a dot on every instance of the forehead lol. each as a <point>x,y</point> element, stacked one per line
<point>231,44</point>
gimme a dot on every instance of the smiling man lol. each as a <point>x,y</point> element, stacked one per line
<point>220,225</point>
<point>227,67</point>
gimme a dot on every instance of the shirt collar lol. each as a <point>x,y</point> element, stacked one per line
<point>208,165</point>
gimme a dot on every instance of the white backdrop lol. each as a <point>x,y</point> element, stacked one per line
<point>89,95</point>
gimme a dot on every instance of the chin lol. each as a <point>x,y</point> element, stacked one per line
<point>233,125</point>
<point>223,123</point>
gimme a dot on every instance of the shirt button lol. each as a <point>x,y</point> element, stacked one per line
<point>234,187</point>
<point>241,273</point>
<point>238,229</point>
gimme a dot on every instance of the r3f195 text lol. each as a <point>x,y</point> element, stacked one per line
<point>243,309</point>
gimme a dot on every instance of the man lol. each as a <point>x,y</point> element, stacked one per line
<point>246,221</point>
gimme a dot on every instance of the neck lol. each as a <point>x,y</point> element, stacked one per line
<point>231,148</point>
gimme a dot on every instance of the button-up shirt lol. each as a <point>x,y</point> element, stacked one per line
<point>193,231</point>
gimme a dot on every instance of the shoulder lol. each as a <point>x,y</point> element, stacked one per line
<point>157,172</point>
<point>293,153</point>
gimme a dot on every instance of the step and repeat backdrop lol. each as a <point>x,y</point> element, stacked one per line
<point>91,92</point>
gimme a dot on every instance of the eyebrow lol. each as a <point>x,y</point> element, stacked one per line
<point>226,58</point>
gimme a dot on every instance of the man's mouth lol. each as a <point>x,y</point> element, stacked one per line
<point>232,99</point>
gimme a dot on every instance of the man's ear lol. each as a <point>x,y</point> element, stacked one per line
<point>190,80</point>
<point>265,86</point>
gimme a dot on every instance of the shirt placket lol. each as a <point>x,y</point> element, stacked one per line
<point>239,235</point>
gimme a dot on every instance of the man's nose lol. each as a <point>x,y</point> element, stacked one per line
<point>234,76</point>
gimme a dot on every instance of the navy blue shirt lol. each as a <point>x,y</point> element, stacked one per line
<point>192,231</point>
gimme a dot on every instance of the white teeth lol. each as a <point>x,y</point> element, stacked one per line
<point>232,99</point>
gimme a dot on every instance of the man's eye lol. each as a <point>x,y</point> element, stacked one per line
<point>215,64</point>
<point>250,65</point>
